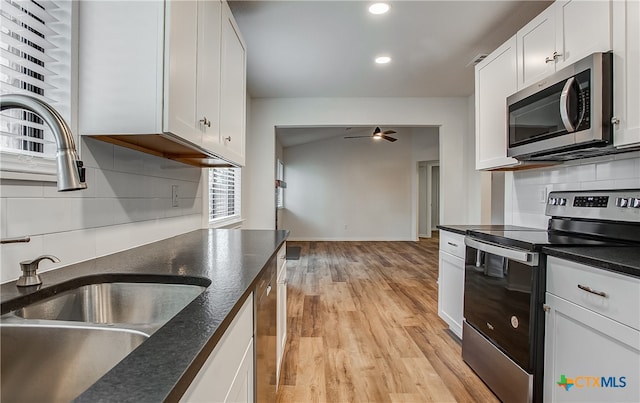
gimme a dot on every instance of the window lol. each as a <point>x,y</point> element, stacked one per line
<point>35,42</point>
<point>224,194</point>
<point>280,189</point>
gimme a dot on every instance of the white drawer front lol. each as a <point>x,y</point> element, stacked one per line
<point>452,243</point>
<point>582,285</point>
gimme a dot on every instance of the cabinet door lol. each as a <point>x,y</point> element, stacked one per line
<point>241,390</point>
<point>120,72</point>
<point>626,74</point>
<point>495,81</point>
<point>228,372</point>
<point>536,44</point>
<point>232,88</point>
<point>208,100</point>
<point>451,291</point>
<point>597,358</point>
<point>582,28</point>
<point>181,38</point>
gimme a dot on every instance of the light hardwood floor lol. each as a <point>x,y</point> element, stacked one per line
<point>363,326</point>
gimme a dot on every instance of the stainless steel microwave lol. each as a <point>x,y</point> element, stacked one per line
<point>565,116</point>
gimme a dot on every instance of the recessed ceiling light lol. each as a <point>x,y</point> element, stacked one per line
<point>383,59</point>
<point>378,8</point>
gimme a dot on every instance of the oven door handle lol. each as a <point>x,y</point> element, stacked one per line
<point>524,257</point>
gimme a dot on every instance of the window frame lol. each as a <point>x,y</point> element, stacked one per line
<point>43,169</point>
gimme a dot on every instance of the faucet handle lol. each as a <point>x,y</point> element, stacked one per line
<point>29,271</point>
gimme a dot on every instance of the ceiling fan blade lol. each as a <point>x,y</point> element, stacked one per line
<point>356,137</point>
<point>389,138</point>
<point>389,132</point>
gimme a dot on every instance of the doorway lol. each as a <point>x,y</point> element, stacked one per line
<point>428,197</point>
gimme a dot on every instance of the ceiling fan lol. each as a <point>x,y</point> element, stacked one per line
<point>377,134</point>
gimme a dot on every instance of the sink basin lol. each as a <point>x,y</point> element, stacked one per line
<point>57,363</point>
<point>143,306</point>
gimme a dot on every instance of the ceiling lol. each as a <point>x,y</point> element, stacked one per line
<point>326,48</point>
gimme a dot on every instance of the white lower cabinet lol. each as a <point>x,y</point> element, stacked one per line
<point>281,328</point>
<point>451,280</point>
<point>228,373</point>
<point>592,341</point>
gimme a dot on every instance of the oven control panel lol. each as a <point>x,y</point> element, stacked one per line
<point>619,205</point>
<point>590,201</point>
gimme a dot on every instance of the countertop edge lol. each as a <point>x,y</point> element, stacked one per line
<point>598,262</point>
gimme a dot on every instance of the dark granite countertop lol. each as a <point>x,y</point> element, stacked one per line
<point>462,229</point>
<point>162,367</point>
<point>621,259</point>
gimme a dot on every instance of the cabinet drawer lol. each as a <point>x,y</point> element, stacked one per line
<point>452,243</point>
<point>580,284</point>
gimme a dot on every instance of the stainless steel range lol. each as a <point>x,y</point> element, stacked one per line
<point>503,330</point>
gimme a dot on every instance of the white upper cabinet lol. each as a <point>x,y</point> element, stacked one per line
<point>626,72</point>
<point>582,28</point>
<point>172,67</point>
<point>495,80</point>
<point>181,39</point>
<point>121,63</point>
<point>232,88</point>
<point>564,33</point>
<point>536,43</point>
<point>208,95</point>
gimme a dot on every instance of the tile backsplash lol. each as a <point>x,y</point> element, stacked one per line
<point>525,191</point>
<point>128,203</point>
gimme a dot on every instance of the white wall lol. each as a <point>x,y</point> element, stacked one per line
<point>127,204</point>
<point>450,114</point>
<point>360,189</point>
<point>524,190</point>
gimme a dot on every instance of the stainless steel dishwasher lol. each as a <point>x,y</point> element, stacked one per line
<point>266,324</point>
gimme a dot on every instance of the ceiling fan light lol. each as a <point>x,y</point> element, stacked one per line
<point>378,8</point>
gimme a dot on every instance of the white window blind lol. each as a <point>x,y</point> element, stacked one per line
<point>35,59</point>
<point>280,190</point>
<point>224,193</point>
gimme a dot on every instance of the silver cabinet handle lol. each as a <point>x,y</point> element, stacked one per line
<point>592,291</point>
<point>564,104</point>
<point>615,121</point>
<point>228,139</point>
<point>268,289</point>
<point>452,244</point>
<point>553,57</point>
<point>205,121</point>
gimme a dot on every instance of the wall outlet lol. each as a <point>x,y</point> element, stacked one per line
<point>544,193</point>
<point>174,195</point>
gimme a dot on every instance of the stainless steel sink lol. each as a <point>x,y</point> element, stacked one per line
<point>56,363</point>
<point>142,306</point>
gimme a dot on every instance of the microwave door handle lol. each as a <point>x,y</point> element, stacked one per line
<point>565,97</point>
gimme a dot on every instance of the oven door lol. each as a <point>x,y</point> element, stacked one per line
<point>498,297</point>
